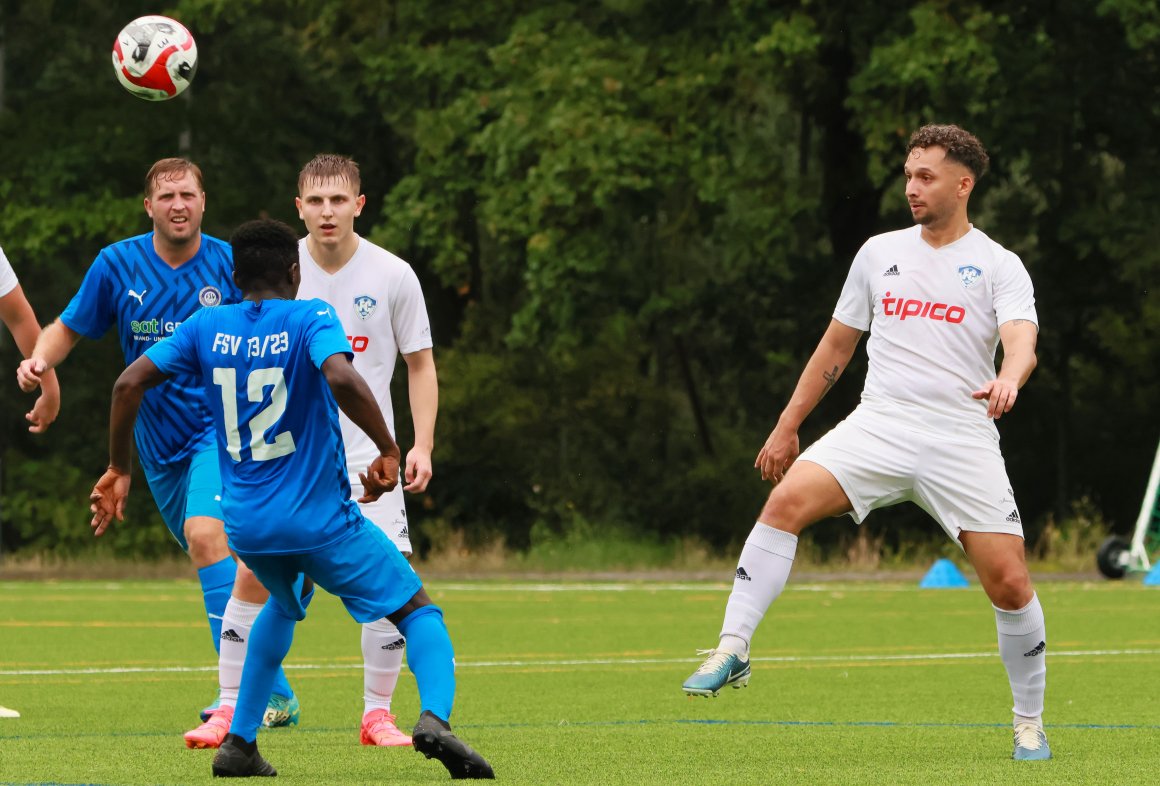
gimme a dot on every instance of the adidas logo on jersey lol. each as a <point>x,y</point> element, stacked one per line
<point>395,645</point>
<point>232,635</point>
<point>1040,648</point>
<point>742,575</point>
<point>892,271</point>
<point>1014,517</point>
<point>404,532</point>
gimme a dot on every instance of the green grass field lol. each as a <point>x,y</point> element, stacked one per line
<point>580,683</point>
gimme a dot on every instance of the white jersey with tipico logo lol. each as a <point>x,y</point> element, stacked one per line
<point>377,298</point>
<point>934,316</point>
<point>8,280</point>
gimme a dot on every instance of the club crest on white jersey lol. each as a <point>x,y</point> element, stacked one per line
<point>970,275</point>
<point>365,306</point>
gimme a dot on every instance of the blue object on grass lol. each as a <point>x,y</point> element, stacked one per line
<point>943,575</point>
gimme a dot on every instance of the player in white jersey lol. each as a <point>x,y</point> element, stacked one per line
<point>20,320</point>
<point>937,299</point>
<point>378,299</point>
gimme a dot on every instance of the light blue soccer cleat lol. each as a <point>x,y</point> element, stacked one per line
<point>1030,743</point>
<point>281,711</point>
<point>718,670</point>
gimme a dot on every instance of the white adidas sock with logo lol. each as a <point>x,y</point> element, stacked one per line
<point>237,620</point>
<point>383,647</point>
<point>1023,648</point>
<point>761,575</point>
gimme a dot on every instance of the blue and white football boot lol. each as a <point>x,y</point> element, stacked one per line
<point>1030,743</point>
<point>718,670</point>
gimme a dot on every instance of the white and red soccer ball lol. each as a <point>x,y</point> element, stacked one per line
<point>155,57</point>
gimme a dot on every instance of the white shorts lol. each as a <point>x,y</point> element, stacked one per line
<point>880,461</point>
<point>388,512</point>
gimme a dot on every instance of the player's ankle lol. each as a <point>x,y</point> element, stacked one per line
<point>734,645</point>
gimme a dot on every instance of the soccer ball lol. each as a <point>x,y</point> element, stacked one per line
<point>155,58</point>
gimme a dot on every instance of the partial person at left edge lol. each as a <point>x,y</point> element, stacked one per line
<point>145,286</point>
<point>20,319</point>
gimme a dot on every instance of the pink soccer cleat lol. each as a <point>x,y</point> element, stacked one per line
<point>211,733</point>
<point>378,728</point>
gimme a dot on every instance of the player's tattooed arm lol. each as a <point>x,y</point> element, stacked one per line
<point>831,378</point>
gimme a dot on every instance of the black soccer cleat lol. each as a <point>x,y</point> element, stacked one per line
<point>433,738</point>
<point>237,758</point>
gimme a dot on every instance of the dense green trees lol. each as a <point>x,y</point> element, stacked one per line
<point>631,217</point>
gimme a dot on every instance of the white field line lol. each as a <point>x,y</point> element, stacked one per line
<point>484,585</point>
<point>552,662</point>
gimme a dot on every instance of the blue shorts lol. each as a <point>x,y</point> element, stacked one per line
<point>187,488</point>
<point>364,569</point>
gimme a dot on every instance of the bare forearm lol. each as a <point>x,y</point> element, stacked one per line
<point>1019,338</point>
<point>822,371</point>
<point>423,389</point>
<point>54,344</point>
<point>122,415</point>
<point>21,321</point>
<point>141,375</point>
<point>354,398</point>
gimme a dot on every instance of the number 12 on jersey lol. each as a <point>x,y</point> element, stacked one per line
<point>256,383</point>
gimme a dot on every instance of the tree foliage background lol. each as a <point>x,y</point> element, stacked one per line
<point>631,218</point>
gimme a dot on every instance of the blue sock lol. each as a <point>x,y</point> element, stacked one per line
<point>270,640</point>
<point>431,659</point>
<point>282,684</point>
<point>217,582</point>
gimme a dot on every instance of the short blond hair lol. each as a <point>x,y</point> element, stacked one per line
<point>327,166</point>
<point>171,169</point>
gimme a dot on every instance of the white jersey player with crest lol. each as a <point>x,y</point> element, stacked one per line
<point>933,316</point>
<point>377,297</point>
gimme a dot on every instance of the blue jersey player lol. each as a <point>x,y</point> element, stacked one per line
<point>276,371</point>
<point>145,287</point>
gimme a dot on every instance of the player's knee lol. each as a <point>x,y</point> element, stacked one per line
<point>1010,588</point>
<point>206,539</point>
<point>417,601</point>
<point>247,587</point>
<point>786,510</point>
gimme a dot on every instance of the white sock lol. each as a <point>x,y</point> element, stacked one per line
<point>383,646</point>
<point>237,620</point>
<point>761,575</point>
<point>1022,646</point>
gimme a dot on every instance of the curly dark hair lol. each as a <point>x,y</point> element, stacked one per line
<point>264,250</point>
<point>961,146</point>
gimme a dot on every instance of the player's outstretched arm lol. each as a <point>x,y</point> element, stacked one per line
<point>52,347</point>
<point>354,397</point>
<point>112,490</point>
<point>17,314</point>
<point>1019,337</point>
<point>827,363</point>
<point>423,391</point>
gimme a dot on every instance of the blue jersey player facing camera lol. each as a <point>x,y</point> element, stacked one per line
<point>276,371</point>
